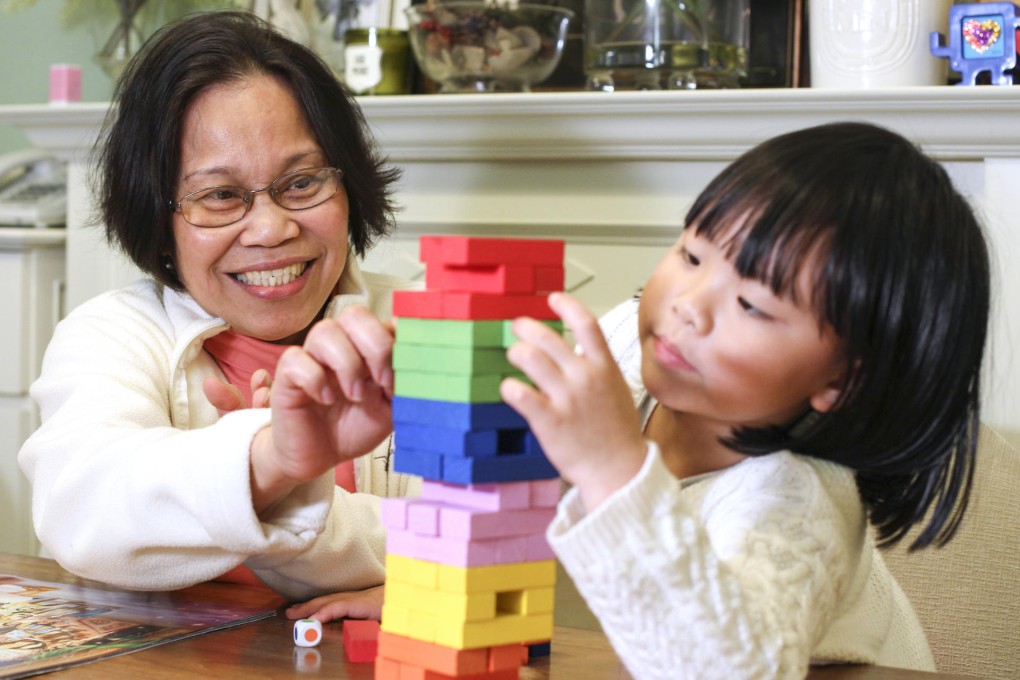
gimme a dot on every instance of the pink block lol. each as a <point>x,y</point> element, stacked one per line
<point>460,552</point>
<point>503,496</point>
<point>65,83</point>
<point>545,493</point>
<point>537,549</point>
<point>423,518</point>
<point>393,512</point>
<point>467,523</point>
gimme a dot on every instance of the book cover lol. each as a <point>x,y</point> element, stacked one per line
<point>48,626</point>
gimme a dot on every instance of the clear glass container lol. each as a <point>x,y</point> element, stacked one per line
<point>666,44</point>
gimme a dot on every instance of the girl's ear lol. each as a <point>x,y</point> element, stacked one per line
<point>823,400</point>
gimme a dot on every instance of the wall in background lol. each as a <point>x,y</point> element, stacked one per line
<point>32,39</point>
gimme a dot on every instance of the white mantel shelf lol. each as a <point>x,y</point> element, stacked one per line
<point>612,174</point>
<point>951,123</point>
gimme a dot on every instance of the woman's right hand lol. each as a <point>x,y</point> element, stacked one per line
<point>330,402</point>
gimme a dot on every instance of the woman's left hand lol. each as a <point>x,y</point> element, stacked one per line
<point>360,604</point>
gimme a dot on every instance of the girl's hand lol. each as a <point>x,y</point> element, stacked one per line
<point>580,409</point>
<point>360,604</point>
<point>330,402</point>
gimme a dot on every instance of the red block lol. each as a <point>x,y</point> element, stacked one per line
<point>427,304</point>
<point>472,250</point>
<point>361,640</point>
<point>501,278</point>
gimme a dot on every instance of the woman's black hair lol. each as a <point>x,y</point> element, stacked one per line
<point>138,152</point>
<point>904,281</point>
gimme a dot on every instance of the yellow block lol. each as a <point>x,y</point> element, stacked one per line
<point>455,606</point>
<point>450,578</point>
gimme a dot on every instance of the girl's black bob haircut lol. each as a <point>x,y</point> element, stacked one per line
<point>902,277</point>
<point>138,152</point>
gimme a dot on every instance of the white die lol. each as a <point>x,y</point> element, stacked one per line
<point>307,632</point>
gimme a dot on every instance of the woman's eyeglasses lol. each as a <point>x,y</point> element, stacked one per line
<point>221,206</point>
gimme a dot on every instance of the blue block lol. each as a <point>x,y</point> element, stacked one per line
<point>445,440</point>
<point>423,464</point>
<point>517,468</point>
<point>467,416</point>
<point>538,649</point>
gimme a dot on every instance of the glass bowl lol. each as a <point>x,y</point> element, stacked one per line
<point>469,46</point>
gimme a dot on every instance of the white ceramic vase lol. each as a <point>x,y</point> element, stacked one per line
<point>875,43</point>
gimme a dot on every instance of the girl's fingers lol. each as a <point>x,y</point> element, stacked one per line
<point>583,325</point>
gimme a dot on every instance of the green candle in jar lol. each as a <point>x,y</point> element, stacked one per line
<point>376,61</point>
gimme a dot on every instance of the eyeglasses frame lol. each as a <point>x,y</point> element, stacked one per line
<point>249,195</point>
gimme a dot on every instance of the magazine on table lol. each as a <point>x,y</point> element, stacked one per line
<point>49,626</point>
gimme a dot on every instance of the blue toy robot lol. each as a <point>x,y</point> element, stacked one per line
<point>982,37</point>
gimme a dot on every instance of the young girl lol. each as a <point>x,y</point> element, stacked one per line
<point>804,360</point>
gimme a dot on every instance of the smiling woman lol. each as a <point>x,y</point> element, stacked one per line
<point>239,176</point>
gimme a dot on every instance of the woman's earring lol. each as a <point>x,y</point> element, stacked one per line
<point>168,264</point>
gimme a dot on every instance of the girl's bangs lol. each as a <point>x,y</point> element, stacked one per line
<point>770,237</point>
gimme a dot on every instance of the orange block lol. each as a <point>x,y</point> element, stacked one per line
<point>446,662</point>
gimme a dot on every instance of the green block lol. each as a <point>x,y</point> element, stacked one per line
<point>450,332</point>
<point>459,388</point>
<point>460,333</point>
<point>450,359</point>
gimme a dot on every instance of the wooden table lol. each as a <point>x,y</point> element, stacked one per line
<point>265,649</point>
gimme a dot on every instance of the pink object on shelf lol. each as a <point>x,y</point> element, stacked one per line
<point>65,83</point>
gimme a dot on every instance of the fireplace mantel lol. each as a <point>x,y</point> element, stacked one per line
<point>612,174</point>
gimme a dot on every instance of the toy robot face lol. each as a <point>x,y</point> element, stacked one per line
<point>983,36</point>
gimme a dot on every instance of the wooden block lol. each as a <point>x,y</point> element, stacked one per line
<point>544,493</point>
<point>446,440</point>
<point>458,388</point>
<point>423,518</point>
<point>446,660</point>
<point>508,496</point>
<point>460,415</point>
<point>473,250</point>
<point>448,606</point>
<point>393,512</point>
<point>462,553</point>
<point>499,631</point>
<point>505,279</point>
<point>426,304</point>
<point>451,332</point>
<point>425,464</point>
<point>495,469</point>
<point>446,359</point>
<point>360,640</point>
<point>473,524</point>
<point>415,572</point>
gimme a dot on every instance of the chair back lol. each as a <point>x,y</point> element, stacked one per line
<point>967,594</point>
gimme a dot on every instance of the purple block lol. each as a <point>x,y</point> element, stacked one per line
<point>471,524</point>
<point>393,512</point>
<point>458,552</point>
<point>511,495</point>
<point>545,493</point>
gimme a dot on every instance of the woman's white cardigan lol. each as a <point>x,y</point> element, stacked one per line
<point>138,482</point>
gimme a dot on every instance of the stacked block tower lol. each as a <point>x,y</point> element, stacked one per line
<point>469,576</point>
